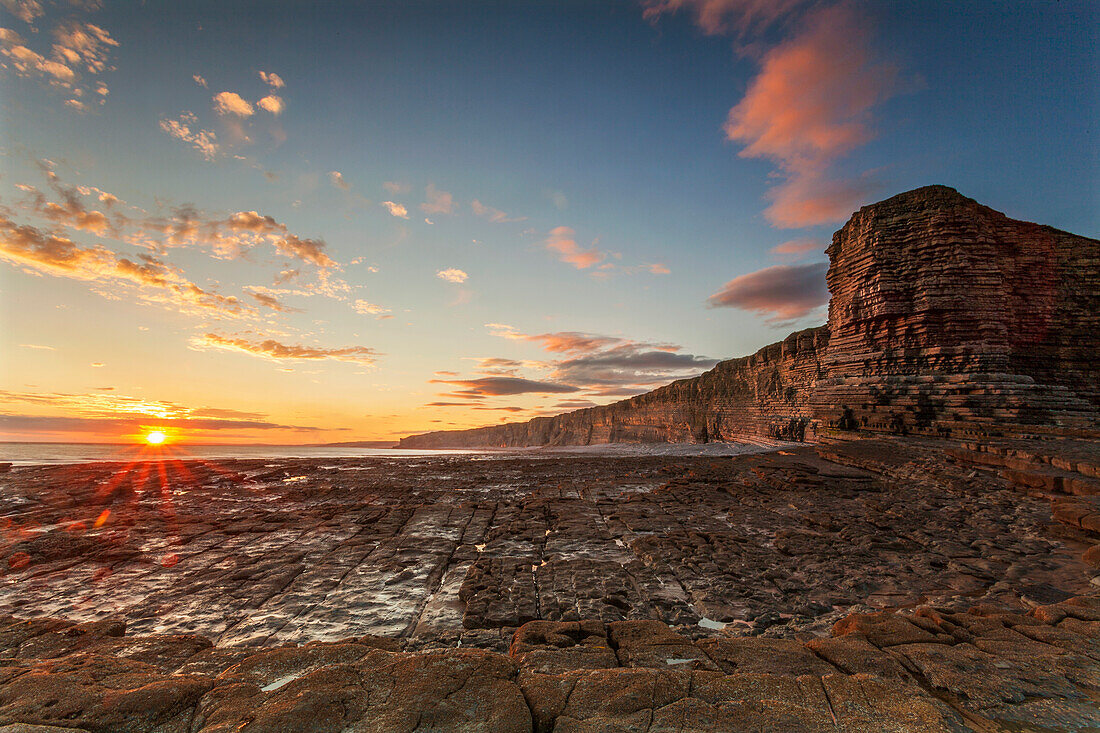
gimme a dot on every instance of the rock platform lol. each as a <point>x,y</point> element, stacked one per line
<point>892,584</point>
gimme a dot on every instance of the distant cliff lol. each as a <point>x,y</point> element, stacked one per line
<point>754,395</point>
<point>945,316</point>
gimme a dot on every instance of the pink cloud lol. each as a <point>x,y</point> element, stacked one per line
<point>794,249</point>
<point>561,240</point>
<point>716,17</point>
<point>810,105</point>
<point>783,292</point>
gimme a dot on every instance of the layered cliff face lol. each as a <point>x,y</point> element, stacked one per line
<point>948,315</point>
<point>945,317</point>
<point>765,394</point>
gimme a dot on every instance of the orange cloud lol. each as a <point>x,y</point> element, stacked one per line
<point>783,292</point>
<point>231,103</point>
<point>157,282</point>
<point>186,128</point>
<point>274,350</point>
<point>562,241</point>
<point>78,51</point>
<point>809,105</point>
<point>396,209</point>
<point>452,275</point>
<point>272,79</point>
<point>273,104</point>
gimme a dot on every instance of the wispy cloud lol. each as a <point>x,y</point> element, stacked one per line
<point>452,275</point>
<point>25,10</point>
<point>367,308</point>
<point>97,413</point>
<point>809,106</point>
<point>200,80</point>
<point>499,386</point>
<point>436,201</point>
<point>187,129</point>
<point>718,17</point>
<point>796,249</point>
<point>155,280</point>
<point>495,216</point>
<point>811,102</point>
<point>608,365</point>
<point>272,79</point>
<point>562,240</point>
<point>785,293</point>
<point>79,54</point>
<point>277,351</point>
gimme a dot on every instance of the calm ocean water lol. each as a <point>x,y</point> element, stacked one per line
<point>23,454</point>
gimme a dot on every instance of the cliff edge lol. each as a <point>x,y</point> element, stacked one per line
<point>946,317</point>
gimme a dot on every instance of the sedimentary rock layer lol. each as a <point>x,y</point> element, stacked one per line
<point>761,394</point>
<point>946,316</point>
<point>878,585</point>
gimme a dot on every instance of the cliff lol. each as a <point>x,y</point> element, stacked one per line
<point>761,395</point>
<point>945,317</point>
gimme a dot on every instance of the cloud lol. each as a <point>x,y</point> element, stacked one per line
<point>156,281</point>
<point>561,240</point>
<point>239,231</point>
<point>272,79</point>
<point>717,17</point>
<point>495,216</point>
<point>336,178</point>
<point>809,106</point>
<point>25,10</point>
<point>199,80</point>
<point>37,346</point>
<point>498,386</point>
<point>270,301</point>
<point>96,412</point>
<point>78,52</point>
<point>273,104</point>
<point>396,209</point>
<point>186,128</point>
<point>274,350</point>
<point>231,103</point>
<point>561,341</point>
<point>369,309</point>
<point>396,187</point>
<point>784,292</point>
<point>607,365</point>
<point>452,275</point>
<point>437,202</point>
<point>796,248</point>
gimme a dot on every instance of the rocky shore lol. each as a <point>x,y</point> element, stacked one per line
<point>890,584</point>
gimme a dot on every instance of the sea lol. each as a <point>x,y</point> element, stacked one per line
<point>28,454</point>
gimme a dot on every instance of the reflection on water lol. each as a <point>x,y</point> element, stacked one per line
<point>21,454</point>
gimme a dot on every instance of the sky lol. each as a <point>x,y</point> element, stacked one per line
<point>291,222</point>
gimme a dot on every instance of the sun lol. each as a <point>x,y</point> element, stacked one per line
<point>155,437</point>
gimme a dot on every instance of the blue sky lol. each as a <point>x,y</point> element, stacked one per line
<point>629,160</point>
